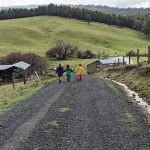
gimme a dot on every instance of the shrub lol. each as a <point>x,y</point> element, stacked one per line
<point>37,63</point>
<point>13,58</point>
<point>62,51</point>
<point>86,54</point>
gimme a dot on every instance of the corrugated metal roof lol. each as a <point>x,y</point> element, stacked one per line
<point>4,67</point>
<point>115,60</point>
<point>21,65</point>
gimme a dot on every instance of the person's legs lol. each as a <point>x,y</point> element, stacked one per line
<point>68,78</point>
<point>80,77</point>
<point>60,79</point>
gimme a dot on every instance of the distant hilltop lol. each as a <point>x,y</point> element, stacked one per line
<point>114,10</point>
<point>23,7</point>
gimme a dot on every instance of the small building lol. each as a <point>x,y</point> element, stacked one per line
<point>6,71</point>
<point>100,64</point>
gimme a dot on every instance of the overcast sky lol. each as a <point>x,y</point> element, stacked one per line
<point>115,3</point>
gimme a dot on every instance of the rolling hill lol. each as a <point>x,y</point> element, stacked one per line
<point>37,34</point>
<point>114,10</point>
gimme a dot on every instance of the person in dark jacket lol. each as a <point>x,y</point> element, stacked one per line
<point>60,72</point>
<point>69,72</point>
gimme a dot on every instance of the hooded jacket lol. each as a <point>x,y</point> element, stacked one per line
<point>79,71</point>
<point>60,71</point>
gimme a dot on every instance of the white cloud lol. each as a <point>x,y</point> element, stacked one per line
<point>142,4</point>
<point>115,3</point>
<point>26,2</point>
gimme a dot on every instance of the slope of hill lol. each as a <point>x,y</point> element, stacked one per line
<point>114,10</point>
<point>37,34</point>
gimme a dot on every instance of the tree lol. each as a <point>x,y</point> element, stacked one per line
<point>146,27</point>
<point>13,57</point>
<point>37,63</point>
<point>86,54</point>
<point>137,25</point>
<point>88,18</point>
<point>62,51</point>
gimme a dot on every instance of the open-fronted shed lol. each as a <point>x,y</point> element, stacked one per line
<point>6,71</point>
<point>100,64</point>
<point>20,65</point>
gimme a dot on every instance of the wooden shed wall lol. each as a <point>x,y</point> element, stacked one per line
<point>92,68</point>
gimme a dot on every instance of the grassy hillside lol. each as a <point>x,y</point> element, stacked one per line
<point>37,34</point>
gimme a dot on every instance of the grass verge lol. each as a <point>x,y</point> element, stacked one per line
<point>136,78</point>
<point>10,97</point>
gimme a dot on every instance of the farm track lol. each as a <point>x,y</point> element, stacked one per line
<point>90,115</point>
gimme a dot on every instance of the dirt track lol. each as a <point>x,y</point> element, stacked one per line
<point>96,116</point>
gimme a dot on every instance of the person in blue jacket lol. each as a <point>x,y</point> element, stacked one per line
<point>60,72</point>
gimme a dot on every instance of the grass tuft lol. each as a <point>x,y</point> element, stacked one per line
<point>54,124</point>
<point>64,109</point>
<point>37,148</point>
<point>131,123</point>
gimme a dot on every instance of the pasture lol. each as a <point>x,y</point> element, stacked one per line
<point>38,34</point>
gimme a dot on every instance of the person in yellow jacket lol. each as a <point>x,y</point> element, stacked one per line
<point>79,72</point>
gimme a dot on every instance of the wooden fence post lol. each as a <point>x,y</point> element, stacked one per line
<point>30,73</point>
<point>129,58</point>
<point>118,62</point>
<point>114,63</point>
<point>123,61</point>
<point>138,56</point>
<point>149,55</point>
<point>25,77</point>
<point>13,79</point>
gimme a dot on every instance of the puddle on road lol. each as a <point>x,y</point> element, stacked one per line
<point>135,96</point>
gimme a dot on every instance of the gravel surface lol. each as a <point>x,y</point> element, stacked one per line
<point>87,115</point>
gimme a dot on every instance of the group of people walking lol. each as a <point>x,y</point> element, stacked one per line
<point>60,72</point>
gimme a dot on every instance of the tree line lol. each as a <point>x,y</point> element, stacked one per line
<point>114,10</point>
<point>137,22</point>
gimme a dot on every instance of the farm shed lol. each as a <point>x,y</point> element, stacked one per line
<point>100,64</point>
<point>6,71</point>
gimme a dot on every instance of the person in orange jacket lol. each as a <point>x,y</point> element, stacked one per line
<point>79,72</point>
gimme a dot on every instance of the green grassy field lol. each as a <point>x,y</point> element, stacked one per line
<point>37,34</point>
<point>10,97</point>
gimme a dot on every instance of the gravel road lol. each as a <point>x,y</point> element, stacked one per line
<point>90,115</point>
